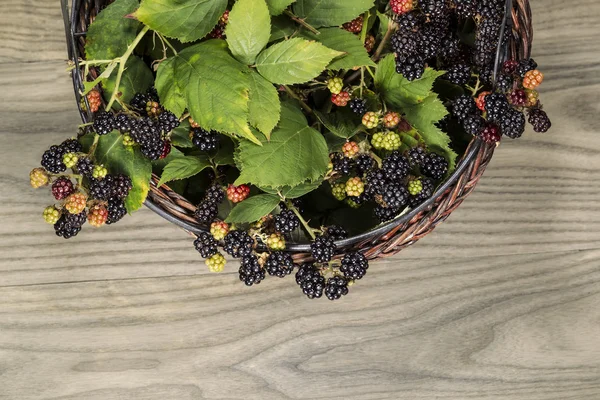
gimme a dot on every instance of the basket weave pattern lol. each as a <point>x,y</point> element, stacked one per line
<point>382,241</point>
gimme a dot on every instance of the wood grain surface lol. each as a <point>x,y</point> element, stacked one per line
<point>501,302</point>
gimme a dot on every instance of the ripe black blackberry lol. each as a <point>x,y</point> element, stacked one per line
<point>104,123</point>
<point>486,41</point>
<point>310,281</point>
<point>416,156</point>
<point>465,8</point>
<point>71,146</point>
<point>85,166</point>
<point>435,166</point>
<point>167,121</point>
<point>206,245</point>
<point>493,9</point>
<point>238,244</point>
<point>504,83</point>
<point>411,67</point>
<point>206,212</point>
<point>204,140</point>
<point>250,270</point>
<point>147,134</point>
<point>123,123</point>
<point>395,196</point>
<point>354,265</point>
<point>52,160</point>
<point>525,66</point>
<point>214,193</point>
<point>405,43</point>
<point>539,120</point>
<point>116,210</point>
<point>101,189</point>
<point>433,8</point>
<point>458,74</point>
<point>342,164</point>
<point>138,103</point>
<point>153,147</point>
<point>410,21</point>
<point>375,180</point>
<point>512,124</point>
<point>66,228</point>
<point>358,106</point>
<point>336,232</point>
<point>426,192</point>
<point>384,214</point>
<point>322,248</point>
<point>395,167</point>
<point>486,74</point>
<point>76,219</point>
<point>280,264</point>
<point>364,163</point>
<point>463,106</point>
<point>496,106</point>
<point>336,287</point>
<point>430,42</point>
<point>473,124</point>
<point>120,185</point>
<point>152,94</point>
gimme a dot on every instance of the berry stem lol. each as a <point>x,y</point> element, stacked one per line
<point>301,22</point>
<point>295,96</point>
<point>122,61</point>
<point>392,26</point>
<point>376,158</point>
<point>476,88</point>
<point>164,40</point>
<point>307,227</point>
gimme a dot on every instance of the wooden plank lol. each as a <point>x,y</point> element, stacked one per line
<point>503,328</point>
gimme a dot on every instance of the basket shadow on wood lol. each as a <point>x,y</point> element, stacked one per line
<point>384,240</point>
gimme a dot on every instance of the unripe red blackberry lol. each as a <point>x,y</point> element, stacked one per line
<point>354,26</point>
<point>94,99</point>
<point>38,177</point>
<point>236,194</point>
<point>369,43</point>
<point>153,108</point>
<point>480,102</point>
<point>402,6</point>
<point>391,119</point>
<point>510,66</point>
<point>76,203</point>
<point>490,133</point>
<point>97,215</point>
<point>533,79</point>
<point>518,97</point>
<point>62,188</point>
<point>219,229</point>
<point>341,99</point>
<point>350,149</point>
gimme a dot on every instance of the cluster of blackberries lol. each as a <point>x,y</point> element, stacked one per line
<point>52,159</point>
<point>208,208</point>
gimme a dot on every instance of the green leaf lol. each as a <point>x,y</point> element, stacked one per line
<point>216,88</point>
<point>341,40</point>
<point>180,137</point>
<point>294,192</point>
<point>264,107</point>
<point>320,13</point>
<point>397,90</point>
<point>183,167</point>
<point>295,154</point>
<point>186,20</point>
<point>169,90</point>
<point>161,163</point>
<point>111,33</point>
<point>281,27</point>
<point>248,29</point>
<point>253,208</point>
<point>294,61</point>
<point>342,123</point>
<point>121,159</point>
<point>276,7</point>
<point>136,78</point>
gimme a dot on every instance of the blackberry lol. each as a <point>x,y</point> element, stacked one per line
<point>486,74</point>
<point>518,97</point>
<point>104,123</point>
<point>486,41</point>
<point>435,166</point>
<point>101,189</point>
<point>146,133</point>
<point>358,106</point>
<point>116,210</point>
<point>513,124</point>
<point>138,103</point>
<point>425,193</point>
<point>375,181</point>
<point>510,66</point>
<point>167,121</point>
<point>416,156</point>
<point>496,106</point>
<point>336,232</point>
<point>204,140</point>
<point>152,94</point>
<point>490,133</point>
<point>354,266</point>
<point>433,8</point>
<point>525,66</point>
<point>459,74</point>
<point>238,244</point>
<point>85,166</point>
<point>62,188</point>
<point>153,148</point>
<point>430,42</point>
<point>71,146</point>
<point>539,120</point>
<point>342,164</point>
<point>214,193</point>
<point>395,167</point>
<point>473,124</point>
<point>463,106</point>
<point>76,219</point>
<point>65,228</point>
<point>354,26</point>
<point>279,264</point>
<point>364,163</point>
<point>493,9</point>
<point>404,44</point>
<point>120,185</point>
<point>310,281</point>
<point>411,68</point>
<point>504,82</point>
<point>410,21</point>
<point>465,8</point>
<point>336,287</point>
<point>206,212</point>
<point>395,196</point>
<point>52,160</point>
<point>123,123</point>
<point>322,248</point>
<point>384,214</point>
<point>250,270</point>
<point>206,245</point>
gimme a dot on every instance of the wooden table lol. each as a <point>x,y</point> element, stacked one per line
<point>501,302</point>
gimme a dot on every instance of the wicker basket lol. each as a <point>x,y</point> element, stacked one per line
<point>382,241</point>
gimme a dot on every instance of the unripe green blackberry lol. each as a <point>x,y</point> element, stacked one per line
<point>38,177</point>
<point>276,242</point>
<point>370,120</point>
<point>355,187</point>
<point>128,141</point>
<point>335,85</point>
<point>339,191</point>
<point>153,108</point>
<point>219,230</point>
<point>99,172</point>
<point>378,140</point>
<point>351,201</point>
<point>392,141</point>
<point>216,263</point>
<point>51,215</point>
<point>415,187</point>
<point>70,160</point>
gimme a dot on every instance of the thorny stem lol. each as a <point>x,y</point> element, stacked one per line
<point>307,227</point>
<point>301,22</point>
<point>388,33</point>
<point>122,61</point>
<point>295,96</point>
